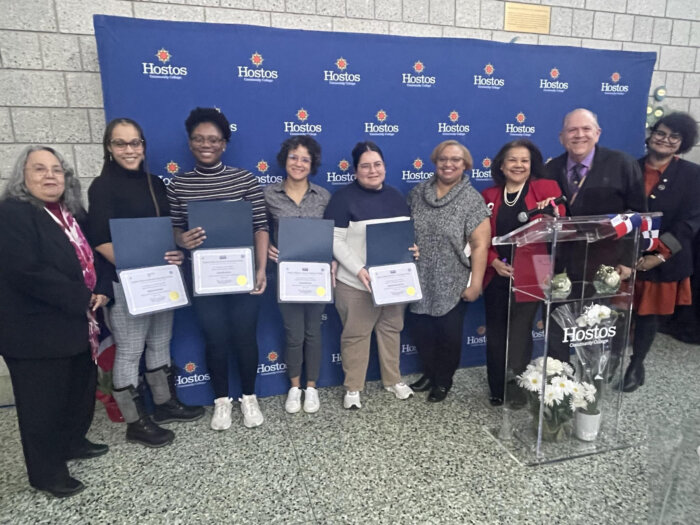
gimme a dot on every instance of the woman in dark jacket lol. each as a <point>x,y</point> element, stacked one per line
<point>48,334</point>
<point>663,274</point>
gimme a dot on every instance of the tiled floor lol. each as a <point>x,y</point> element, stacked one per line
<point>390,462</point>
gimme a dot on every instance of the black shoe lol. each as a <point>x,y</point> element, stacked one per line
<point>495,401</point>
<point>422,385</point>
<point>86,450</point>
<point>634,377</point>
<point>147,433</point>
<point>65,489</point>
<point>437,394</point>
<point>173,410</point>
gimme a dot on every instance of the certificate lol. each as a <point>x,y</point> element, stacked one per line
<point>223,271</point>
<point>153,289</point>
<point>304,282</point>
<point>395,284</point>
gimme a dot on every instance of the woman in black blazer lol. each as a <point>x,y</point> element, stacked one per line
<point>48,334</point>
<point>663,273</point>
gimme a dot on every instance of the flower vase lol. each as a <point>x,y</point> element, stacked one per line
<point>553,431</point>
<point>587,426</point>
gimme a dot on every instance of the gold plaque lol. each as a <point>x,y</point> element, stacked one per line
<point>526,18</point>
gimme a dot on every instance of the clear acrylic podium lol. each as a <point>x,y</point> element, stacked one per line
<point>566,403</point>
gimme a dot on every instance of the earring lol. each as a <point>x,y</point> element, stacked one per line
<point>110,157</point>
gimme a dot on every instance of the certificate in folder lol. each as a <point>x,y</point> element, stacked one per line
<point>139,249</point>
<point>223,264</point>
<point>305,255</point>
<point>393,274</point>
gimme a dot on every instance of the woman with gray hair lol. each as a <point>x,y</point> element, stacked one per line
<point>49,293</point>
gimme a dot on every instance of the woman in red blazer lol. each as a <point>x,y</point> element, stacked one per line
<point>517,172</point>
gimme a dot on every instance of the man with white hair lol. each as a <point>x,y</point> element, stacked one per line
<point>595,180</point>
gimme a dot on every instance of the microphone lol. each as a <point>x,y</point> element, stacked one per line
<point>524,216</point>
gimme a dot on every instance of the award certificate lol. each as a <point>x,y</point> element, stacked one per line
<point>223,271</point>
<point>395,284</point>
<point>153,289</point>
<point>305,282</point>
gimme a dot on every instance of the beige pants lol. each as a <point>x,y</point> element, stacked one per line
<point>360,317</point>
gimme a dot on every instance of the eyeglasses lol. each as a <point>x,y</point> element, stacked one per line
<point>42,170</point>
<point>673,138</point>
<point>297,158</point>
<point>211,141</point>
<point>453,160</point>
<point>368,166</point>
<point>121,144</point>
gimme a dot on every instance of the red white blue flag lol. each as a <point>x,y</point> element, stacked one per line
<point>624,223</point>
<point>650,233</point>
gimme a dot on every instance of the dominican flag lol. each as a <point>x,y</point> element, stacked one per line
<point>624,223</point>
<point>650,233</point>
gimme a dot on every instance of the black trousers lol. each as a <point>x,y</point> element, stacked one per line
<point>645,329</point>
<point>522,314</point>
<point>55,401</point>
<point>439,342</point>
<point>229,324</point>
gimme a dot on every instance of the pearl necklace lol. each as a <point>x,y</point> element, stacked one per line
<point>505,196</point>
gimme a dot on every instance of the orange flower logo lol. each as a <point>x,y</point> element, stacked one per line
<point>554,73</point>
<point>615,77</point>
<point>302,114</point>
<point>344,165</point>
<point>418,66</point>
<point>190,367</point>
<point>163,55</point>
<point>486,163</point>
<point>454,116</point>
<point>520,117</point>
<point>172,167</point>
<point>418,163</point>
<point>381,115</point>
<point>341,64</point>
<point>262,166</point>
<point>489,69</point>
<point>272,356</point>
<point>257,59</point>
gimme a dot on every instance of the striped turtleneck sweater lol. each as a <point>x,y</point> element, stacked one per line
<point>217,182</point>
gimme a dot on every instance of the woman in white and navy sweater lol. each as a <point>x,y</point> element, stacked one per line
<point>366,201</point>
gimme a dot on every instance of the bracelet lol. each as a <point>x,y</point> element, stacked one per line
<point>663,259</point>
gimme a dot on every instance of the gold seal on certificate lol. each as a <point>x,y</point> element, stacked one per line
<point>152,289</point>
<point>222,271</point>
<point>395,284</point>
<point>304,282</point>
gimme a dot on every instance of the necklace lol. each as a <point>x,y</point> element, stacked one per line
<point>505,196</point>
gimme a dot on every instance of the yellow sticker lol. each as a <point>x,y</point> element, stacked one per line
<point>320,291</point>
<point>174,296</point>
<point>241,280</point>
<point>411,291</point>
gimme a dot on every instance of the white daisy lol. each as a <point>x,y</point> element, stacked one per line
<point>531,381</point>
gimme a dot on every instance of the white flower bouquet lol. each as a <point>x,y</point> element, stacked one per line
<point>558,394</point>
<point>590,331</point>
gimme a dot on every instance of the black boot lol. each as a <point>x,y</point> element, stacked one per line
<point>167,406</point>
<point>139,426</point>
<point>422,385</point>
<point>612,370</point>
<point>634,376</point>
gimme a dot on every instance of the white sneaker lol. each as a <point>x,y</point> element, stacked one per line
<point>400,390</point>
<point>352,400</point>
<point>252,417</point>
<point>311,401</point>
<point>221,420</point>
<point>293,403</point>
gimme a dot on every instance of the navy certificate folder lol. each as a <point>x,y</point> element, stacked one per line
<point>305,240</point>
<point>388,243</point>
<point>139,243</point>
<point>228,224</point>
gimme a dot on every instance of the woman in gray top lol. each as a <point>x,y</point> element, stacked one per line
<point>451,219</point>
<point>295,196</point>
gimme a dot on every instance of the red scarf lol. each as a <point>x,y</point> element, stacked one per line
<point>70,227</point>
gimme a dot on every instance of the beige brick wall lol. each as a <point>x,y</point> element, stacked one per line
<point>49,76</point>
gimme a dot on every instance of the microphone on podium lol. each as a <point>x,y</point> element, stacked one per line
<point>524,216</point>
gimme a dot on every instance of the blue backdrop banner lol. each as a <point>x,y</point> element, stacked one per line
<point>407,94</point>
